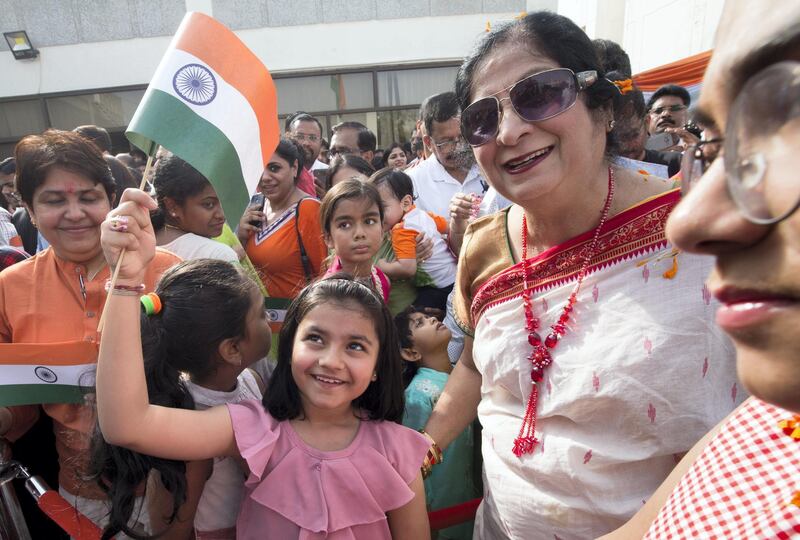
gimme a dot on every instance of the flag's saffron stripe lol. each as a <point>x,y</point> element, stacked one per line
<point>206,147</point>
<point>27,394</point>
<point>69,353</point>
<point>224,52</point>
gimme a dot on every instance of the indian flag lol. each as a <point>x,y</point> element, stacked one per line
<point>46,372</point>
<point>212,103</point>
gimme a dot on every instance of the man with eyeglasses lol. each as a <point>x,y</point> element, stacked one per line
<point>307,132</point>
<point>740,203</point>
<point>451,168</point>
<point>668,111</point>
<point>353,138</point>
<point>7,172</point>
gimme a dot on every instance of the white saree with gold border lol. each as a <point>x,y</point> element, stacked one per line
<point>641,374</point>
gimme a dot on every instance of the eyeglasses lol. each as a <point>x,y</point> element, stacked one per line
<point>449,144</point>
<point>304,137</point>
<point>758,151</point>
<point>333,152</point>
<point>538,97</point>
<point>671,108</point>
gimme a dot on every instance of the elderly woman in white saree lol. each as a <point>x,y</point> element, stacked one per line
<point>593,362</point>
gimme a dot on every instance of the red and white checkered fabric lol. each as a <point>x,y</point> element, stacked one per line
<point>742,484</point>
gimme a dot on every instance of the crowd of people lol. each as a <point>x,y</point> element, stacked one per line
<point>554,298</point>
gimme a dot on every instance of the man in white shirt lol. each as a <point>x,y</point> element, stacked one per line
<point>451,168</point>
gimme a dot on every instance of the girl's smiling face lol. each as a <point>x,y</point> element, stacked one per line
<point>355,232</point>
<point>332,363</point>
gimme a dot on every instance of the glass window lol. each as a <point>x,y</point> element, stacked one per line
<point>412,86</point>
<point>395,126</point>
<point>325,93</point>
<point>18,118</point>
<point>109,109</point>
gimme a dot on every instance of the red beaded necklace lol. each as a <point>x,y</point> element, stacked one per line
<point>541,357</point>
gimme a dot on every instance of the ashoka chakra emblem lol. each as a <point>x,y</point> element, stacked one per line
<point>195,84</point>
<point>46,374</point>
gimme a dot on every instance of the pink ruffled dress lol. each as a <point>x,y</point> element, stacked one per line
<point>295,491</point>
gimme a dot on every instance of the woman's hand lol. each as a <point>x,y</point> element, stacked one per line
<point>246,228</point>
<point>128,227</point>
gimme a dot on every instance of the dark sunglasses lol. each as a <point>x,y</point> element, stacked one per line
<point>535,98</point>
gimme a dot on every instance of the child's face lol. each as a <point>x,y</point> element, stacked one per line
<point>333,363</point>
<point>257,340</point>
<point>355,231</point>
<point>393,208</point>
<point>427,333</point>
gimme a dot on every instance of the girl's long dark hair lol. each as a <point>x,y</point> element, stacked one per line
<point>204,302</point>
<point>383,399</point>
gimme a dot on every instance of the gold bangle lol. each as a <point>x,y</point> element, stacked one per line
<point>435,451</point>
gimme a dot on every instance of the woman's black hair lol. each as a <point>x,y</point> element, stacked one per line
<point>548,34</point>
<point>204,302</point>
<point>383,399</point>
<point>347,160</point>
<point>388,151</point>
<point>398,181</point>
<point>291,152</point>
<point>402,323</point>
<point>177,180</point>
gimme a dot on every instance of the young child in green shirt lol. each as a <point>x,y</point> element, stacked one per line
<point>423,342</point>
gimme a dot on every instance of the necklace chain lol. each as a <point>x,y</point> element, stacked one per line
<point>541,357</point>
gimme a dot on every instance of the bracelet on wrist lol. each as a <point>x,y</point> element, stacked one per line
<point>121,288</point>
<point>433,457</point>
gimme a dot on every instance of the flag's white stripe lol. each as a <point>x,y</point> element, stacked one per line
<point>81,374</point>
<point>229,111</point>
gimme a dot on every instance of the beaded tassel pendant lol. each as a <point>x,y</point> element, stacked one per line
<point>541,357</point>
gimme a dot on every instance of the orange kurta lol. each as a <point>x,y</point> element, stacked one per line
<point>275,252</point>
<point>47,299</point>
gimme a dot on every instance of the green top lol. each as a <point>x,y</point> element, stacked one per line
<point>452,481</point>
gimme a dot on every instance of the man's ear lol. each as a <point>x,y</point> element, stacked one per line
<point>229,352</point>
<point>410,354</point>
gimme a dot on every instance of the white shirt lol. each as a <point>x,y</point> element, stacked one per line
<point>191,246</point>
<point>434,187</point>
<point>223,491</point>
<point>440,269</point>
<point>318,165</point>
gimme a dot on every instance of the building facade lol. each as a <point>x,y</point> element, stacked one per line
<point>372,61</point>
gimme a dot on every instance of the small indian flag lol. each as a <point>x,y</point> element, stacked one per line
<point>46,372</point>
<point>212,103</point>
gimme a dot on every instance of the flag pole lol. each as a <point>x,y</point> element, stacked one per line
<point>122,253</point>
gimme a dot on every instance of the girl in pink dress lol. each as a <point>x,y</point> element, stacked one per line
<point>352,222</point>
<point>325,454</point>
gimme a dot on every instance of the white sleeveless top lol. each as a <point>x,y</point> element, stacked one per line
<point>222,494</point>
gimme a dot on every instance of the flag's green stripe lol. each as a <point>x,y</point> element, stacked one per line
<point>169,122</point>
<point>277,303</point>
<point>26,394</point>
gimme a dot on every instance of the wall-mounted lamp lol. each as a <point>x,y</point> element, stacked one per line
<point>20,45</point>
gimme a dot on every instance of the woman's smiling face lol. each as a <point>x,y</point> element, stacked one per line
<point>68,209</point>
<point>528,160</point>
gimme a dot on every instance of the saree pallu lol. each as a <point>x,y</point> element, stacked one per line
<point>641,374</point>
